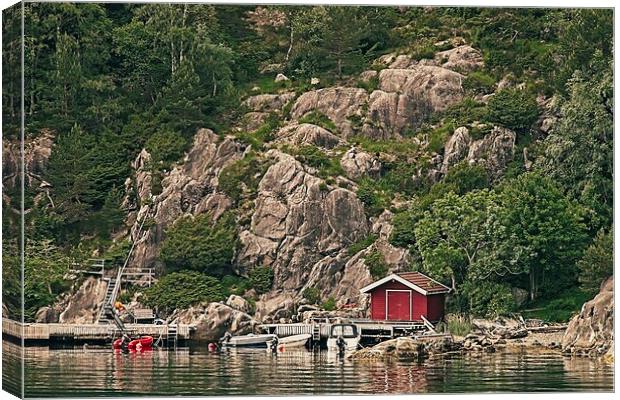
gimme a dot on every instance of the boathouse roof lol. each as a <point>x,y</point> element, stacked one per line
<point>414,280</point>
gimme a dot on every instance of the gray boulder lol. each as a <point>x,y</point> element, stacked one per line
<point>591,332</point>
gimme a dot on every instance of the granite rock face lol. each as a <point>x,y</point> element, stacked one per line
<point>190,188</point>
<point>493,152</point>
<point>357,163</point>
<point>213,320</point>
<point>591,332</point>
<point>84,305</point>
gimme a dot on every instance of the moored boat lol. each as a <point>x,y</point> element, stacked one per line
<point>343,337</point>
<point>250,340</point>
<point>290,342</point>
<point>140,344</point>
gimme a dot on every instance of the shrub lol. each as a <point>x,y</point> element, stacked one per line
<point>316,158</point>
<point>370,85</point>
<point>362,244</point>
<point>512,108</point>
<point>312,295</point>
<point>199,244</point>
<point>376,264</point>
<point>559,309</point>
<point>183,289</point>
<point>245,172</point>
<point>458,324</point>
<point>166,146</point>
<point>597,263</point>
<point>261,279</point>
<point>329,304</point>
<point>479,82</point>
<point>488,299</point>
<point>466,177</point>
<point>233,284</point>
<point>373,199</point>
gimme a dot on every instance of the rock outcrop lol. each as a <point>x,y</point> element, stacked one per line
<point>212,321</point>
<point>190,188</point>
<point>493,152</point>
<point>404,100</point>
<point>406,348</point>
<point>339,104</point>
<point>462,59</point>
<point>268,102</point>
<point>591,332</point>
<point>37,152</point>
<point>298,221</point>
<point>307,134</point>
<point>357,163</point>
<point>83,306</point>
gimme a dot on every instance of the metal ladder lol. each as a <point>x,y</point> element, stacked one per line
<point>104,317</point>
<point>316,334</point>
<point>173,336</point>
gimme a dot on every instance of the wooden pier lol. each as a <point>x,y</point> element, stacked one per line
<point>88,332</point>
<point>369,329</point>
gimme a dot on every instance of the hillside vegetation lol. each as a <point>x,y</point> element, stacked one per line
<point>474,145</point>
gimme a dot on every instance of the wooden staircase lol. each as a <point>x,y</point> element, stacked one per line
<point>126,275</point>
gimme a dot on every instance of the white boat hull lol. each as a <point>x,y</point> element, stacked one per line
<point>249,341</point>
<point>351,344</point>
<point>293,341</point>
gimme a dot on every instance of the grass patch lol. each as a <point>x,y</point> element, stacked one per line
<point>362,244</point>
<point>560,309</point>
<point>458,324</point>
<point>319,119</point>
<point>314,157</point>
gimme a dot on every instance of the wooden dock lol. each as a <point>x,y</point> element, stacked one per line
<point>369,329</point>
<point>87,332</point>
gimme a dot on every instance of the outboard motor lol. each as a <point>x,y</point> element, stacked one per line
<point>342,345</point>
<point>226,338</point>
<point>274,344</point>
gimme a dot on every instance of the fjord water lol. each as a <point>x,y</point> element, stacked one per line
<point>195,371</point>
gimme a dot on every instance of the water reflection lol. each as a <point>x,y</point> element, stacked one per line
<point>196,371</point>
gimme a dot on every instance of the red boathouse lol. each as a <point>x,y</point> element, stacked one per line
<point>406,296</point>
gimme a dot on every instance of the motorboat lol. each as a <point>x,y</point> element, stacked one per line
<point>343,337</point>
<point>289,342</point>
<point>250,340</point>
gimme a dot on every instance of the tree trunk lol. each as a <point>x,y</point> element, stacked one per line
<point>290,43</point>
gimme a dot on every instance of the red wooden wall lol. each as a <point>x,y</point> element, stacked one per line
<point>431,307</point>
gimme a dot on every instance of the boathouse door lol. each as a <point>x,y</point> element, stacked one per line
<point>398,305</point>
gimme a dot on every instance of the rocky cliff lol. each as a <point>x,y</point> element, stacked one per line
<point>591,332</point>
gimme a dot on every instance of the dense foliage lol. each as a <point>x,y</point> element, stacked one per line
<point>182,289</point>
<point>199,244</point>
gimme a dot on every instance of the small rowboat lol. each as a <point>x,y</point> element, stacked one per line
<point>290,342</point>
<point>248,340</point>
<point>141,344</point>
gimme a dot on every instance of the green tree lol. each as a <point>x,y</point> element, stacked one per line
<point>548,226</point>
<point>261,279</point>
<point>45,267</point>
<point>578,154</point>
<point>183,289</point>
<point>597,263</point>
<point>513,108</point>
<point>463,237</point>
<point>199,244</point>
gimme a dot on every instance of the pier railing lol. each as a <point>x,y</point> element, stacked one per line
<point>34,331</point>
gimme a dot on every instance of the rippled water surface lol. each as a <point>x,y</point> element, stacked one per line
<point>195,371</point>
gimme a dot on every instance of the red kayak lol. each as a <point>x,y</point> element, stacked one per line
<point>144,343</point>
